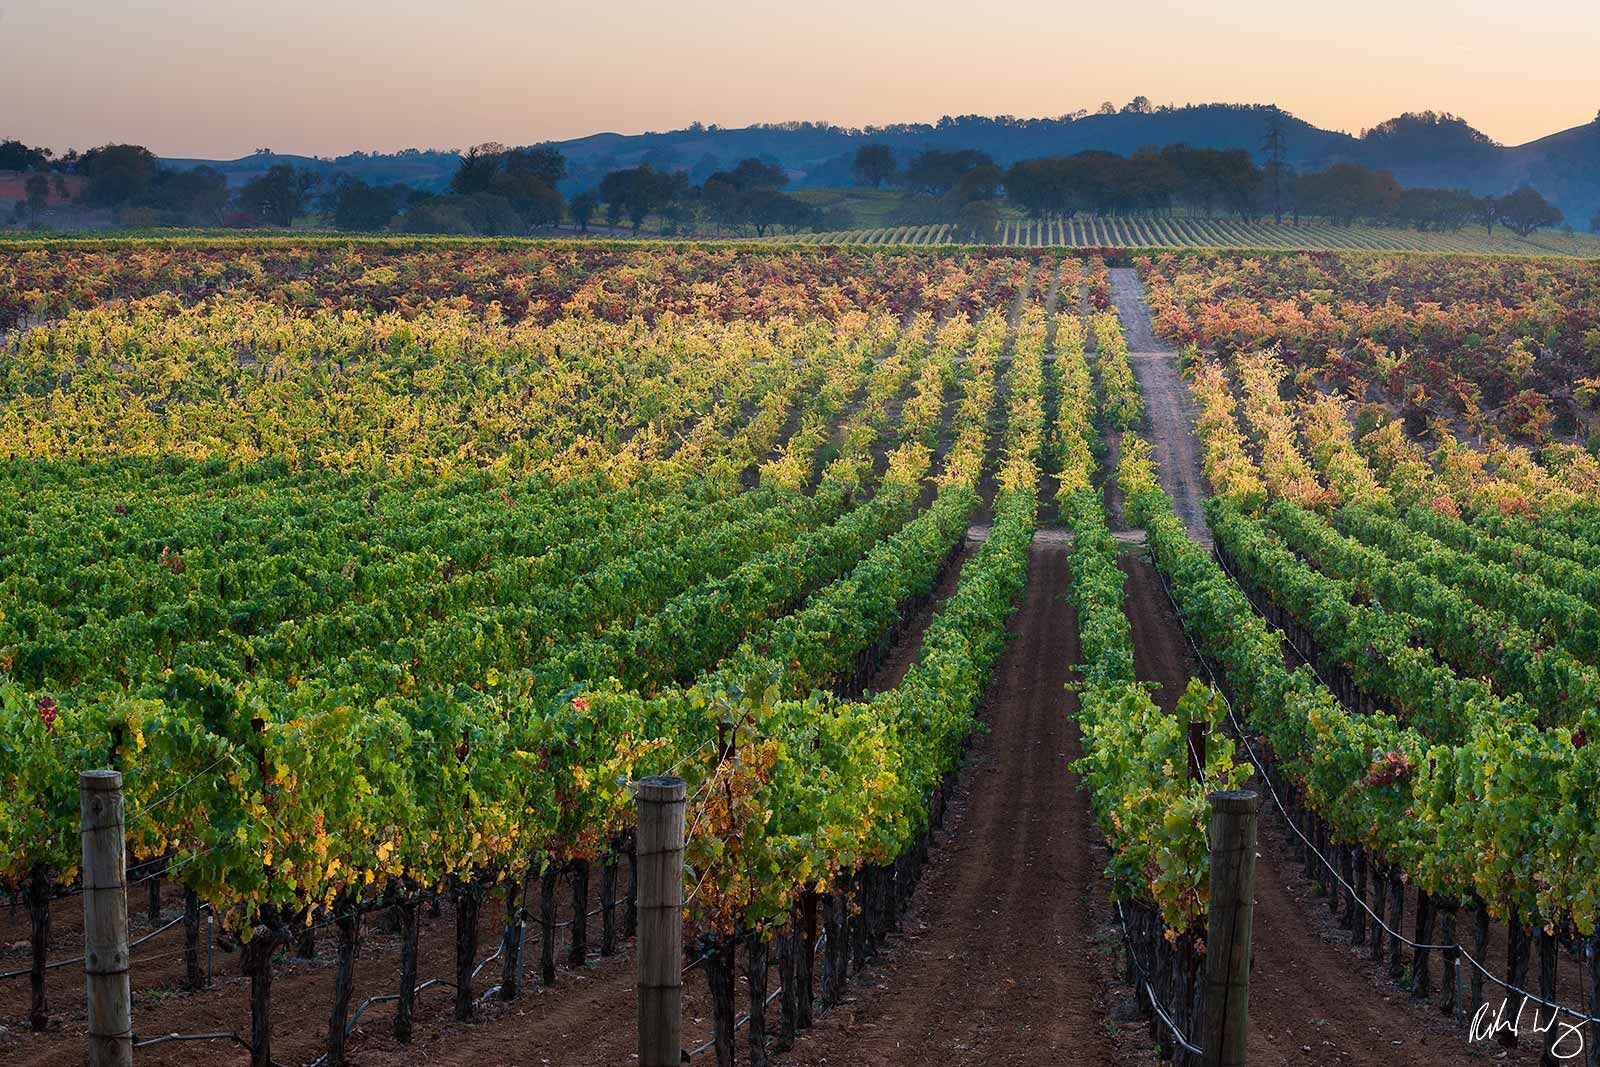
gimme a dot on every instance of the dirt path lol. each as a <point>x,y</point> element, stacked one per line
<point>892,671</point>
<point>1127,294</point>
<point>1310,1001</point>
<point>1161,653</point>
<point>1000,962</point>
<point>1169,412</point>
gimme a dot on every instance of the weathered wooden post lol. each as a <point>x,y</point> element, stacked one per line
<point>105,919</point>
<point>659,856</point>
<point>1233,879</point>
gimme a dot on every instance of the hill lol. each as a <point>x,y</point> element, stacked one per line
<point>819,155</point>
<point>421,169</point>
<point>1421,149</point>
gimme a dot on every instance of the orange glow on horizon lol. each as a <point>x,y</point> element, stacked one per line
<point>218,80</point>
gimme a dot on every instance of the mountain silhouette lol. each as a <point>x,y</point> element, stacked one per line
<point>1423,149</point>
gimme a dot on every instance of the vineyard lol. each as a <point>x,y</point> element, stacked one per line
<point>1403,459</point>
<point>384,571</point>
<point>1184,232</point>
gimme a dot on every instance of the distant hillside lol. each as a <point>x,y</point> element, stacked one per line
<point>1427,149</point>
<point>1565,167</point>
<point>819,156</point>
<point>413,167</point>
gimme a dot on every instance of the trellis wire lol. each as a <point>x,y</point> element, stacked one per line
<point>1509,987</point>
<point>160,869</point>
<point>57,964</point>
<point>1457,948</point>
<point>142,811</point>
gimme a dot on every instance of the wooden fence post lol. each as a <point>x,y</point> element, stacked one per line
<point>1233,877</point>
<point>659,856</point>
<point>105,919</point>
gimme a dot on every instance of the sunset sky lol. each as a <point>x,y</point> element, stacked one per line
<point>221,78</point>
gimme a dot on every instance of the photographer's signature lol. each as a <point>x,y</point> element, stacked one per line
<point>1486,1024</point>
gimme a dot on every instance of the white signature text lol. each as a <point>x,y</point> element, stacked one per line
<point>1486,1024</point>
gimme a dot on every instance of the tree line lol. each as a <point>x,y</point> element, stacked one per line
<point>962,188</point>
<point>505,191</point>
<point>495,191</point>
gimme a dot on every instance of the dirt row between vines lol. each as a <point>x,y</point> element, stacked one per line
<point>1308,1003</point>
<point>1312,1000</point>
<point>1169,410</point>
<point>1005,955</point>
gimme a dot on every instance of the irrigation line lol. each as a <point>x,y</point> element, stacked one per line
<point>1266,778</point>
<point>228,1036</point>
<point>1150,994</point>
<point>488,960</point>
<point>169,924</point>
<point>386,997</point>
<point>48,967</point>
<point>79,959</point>
<point>361,1009</point>
<point>744,1019</point>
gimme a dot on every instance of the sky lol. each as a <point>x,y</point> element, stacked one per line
<point>220,78</point>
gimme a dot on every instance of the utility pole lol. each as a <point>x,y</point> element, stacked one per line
<point>1275,145</point>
